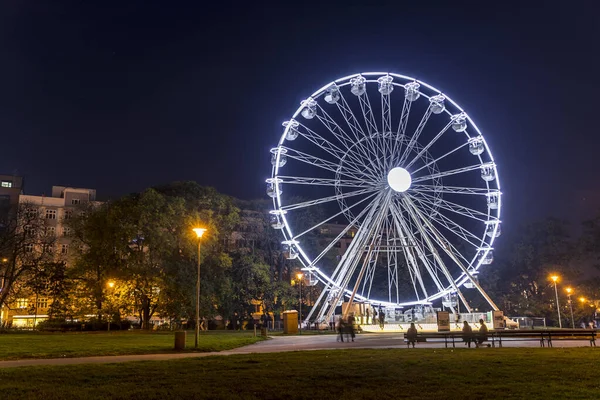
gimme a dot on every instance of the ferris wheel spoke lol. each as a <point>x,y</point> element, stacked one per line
<point>428,145</point>
<point>344,231</point>
<point>401,132</point>
<point>322,200</point>
<point>329,147</point>
<point>354,126</point>
<point>441,157</point>
<point>320,163</point>
<point>447,173</point>
<point>451,226</point>
<point>448,250</point>
<point>351,145</point>
<point>409,240</point>
<point>305,180</point>
<point>415,136</point>
<point>343,211</point>
<point>450,189</point>
<point>424,225</point>
<point>457,208</point>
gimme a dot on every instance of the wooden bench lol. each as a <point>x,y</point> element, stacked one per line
<point>543,336</point>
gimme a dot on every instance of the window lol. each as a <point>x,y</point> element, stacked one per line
<point>68,214</point>
<point>50,231</point>
<point>32,212</point>
<point>29,231</point>
<point>22,303</point>
<point>66,231</point>
<point>64,249</point>
<point>50,214</point>
<point>42,303</point>
<point>6,184</point>
<point>29,248</point>
<point>75,201</point>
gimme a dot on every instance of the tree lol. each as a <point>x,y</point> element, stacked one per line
<point>25,243</point>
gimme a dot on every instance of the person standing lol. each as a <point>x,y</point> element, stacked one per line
<point>381,319</point>
<point>483,333</point>
<point>340,329</point>
<point>374,320</point>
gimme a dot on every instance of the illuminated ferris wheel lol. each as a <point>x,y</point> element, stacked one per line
<point>411,177</point>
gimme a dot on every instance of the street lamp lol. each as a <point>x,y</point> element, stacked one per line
<point>555,279</point>
<point>300,276</point>
<point>199,232</point>
<point>110,284</point>
<point>569,290</point>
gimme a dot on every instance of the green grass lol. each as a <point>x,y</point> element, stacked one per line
<point>352,374</point>
<point>40,345</point>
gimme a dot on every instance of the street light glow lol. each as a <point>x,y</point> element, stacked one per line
<point>111,284</point>
<point>554,278</point>
<point>582,299</point>
<point>300,276</point>
<point>199,232</point>
<point>569,290</point>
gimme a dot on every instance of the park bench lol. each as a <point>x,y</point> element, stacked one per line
<point>543,336</point>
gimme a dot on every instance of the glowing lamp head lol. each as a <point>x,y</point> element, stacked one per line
<point>582,299</point>
<point>111,284</point>
<point>300,276</point>
<point>199,232</point>
<point>399,179</point>
<point>554,278</point>
<point>569,290</point>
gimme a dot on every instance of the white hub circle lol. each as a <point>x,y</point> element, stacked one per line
<point>399,179</point>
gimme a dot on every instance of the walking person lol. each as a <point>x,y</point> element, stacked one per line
<point>340,329</point>
<point>374,320</point>
<point>351,321</point>
<point>381,319</point>
<point>467,333</point>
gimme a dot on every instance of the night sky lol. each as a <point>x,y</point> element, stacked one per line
<point>119,98</point>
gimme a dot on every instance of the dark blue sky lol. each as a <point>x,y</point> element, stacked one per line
<point>122,97</point>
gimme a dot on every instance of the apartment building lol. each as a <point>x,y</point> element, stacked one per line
<point>64,201</point>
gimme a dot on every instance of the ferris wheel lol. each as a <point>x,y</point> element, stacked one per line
<point>401,175</point>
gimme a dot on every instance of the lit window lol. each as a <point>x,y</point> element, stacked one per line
<point>42,303</point>
<point>6,184</point>
<point>50,214</point>
<point>64,249</point>
<point>75,201</point>
<point>22,303</point>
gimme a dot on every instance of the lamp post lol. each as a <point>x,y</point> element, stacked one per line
<point>199,232</point>
<point>569,290</point>
<point>300,276</point>
<point>111,284</point>
<point>555,279</point>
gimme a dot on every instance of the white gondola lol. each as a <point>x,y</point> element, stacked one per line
<point>459,122</point>
<point>476,145</point>
<point>292,132</point>
<point>487,173</point>
<point>437,104</point>
<point>492,200</point>
<point>278,151</point>
<point>411,91</point>
<point>385,85</point>
<point>333,95</point>
<point>358,85</point>
<point>310,109</point>
<point>488,258</point>
<point>273,187</point>
<point>493,229</point>
<point>289,249</point>
<point>277,219</point>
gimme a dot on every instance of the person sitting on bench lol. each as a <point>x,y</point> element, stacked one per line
<point>411,335</point>
<point>482,336</point>
<point>467,333</point>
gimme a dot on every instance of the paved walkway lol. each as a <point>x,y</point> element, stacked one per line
<point>275,345</point>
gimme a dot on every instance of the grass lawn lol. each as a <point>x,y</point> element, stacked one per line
<point>529,373</point>
<point>50,345</point>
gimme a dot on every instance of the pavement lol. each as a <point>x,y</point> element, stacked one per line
<point>279,344</point>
